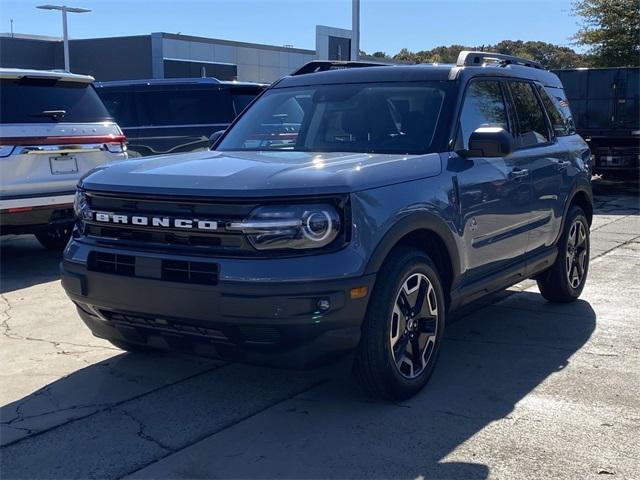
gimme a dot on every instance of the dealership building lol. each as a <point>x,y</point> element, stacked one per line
<point>168,55</point>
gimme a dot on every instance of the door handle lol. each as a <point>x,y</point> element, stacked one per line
<point>562,165</point>
<point>517,173</point>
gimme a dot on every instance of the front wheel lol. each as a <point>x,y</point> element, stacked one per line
<point>54,238</point>
<point>564,281</point>
<point>403,328</point>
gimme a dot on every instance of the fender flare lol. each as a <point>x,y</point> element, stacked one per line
<point>411,223</point>
<point>579,187</point>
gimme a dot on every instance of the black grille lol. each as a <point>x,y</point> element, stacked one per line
<point>113,263</point>
<point>190,272</point>
<point>183,271</point>
<point>220,240</point>
<point>163,325</point>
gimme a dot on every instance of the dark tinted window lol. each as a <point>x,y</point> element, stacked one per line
<point>120,105</point>
<point>556,103</point>
<point>483,107</point>
<point>380,118</point>
<point>243,97</point>
<point>25,100</point>
<point>532,126</point>
<point>184,107</point>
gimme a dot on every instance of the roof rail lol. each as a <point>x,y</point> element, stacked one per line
<point>324,65</point>
<point>476,59</point>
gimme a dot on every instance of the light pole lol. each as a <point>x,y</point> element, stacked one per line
<point>355,30</point>
<point>65,36</point>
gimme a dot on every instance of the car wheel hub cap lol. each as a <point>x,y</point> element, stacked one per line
<point>414,325</point>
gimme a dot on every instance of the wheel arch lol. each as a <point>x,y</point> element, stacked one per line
<point>425,232</point>
<point>582,199</point>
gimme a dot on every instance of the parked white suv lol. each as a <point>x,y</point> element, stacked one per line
<point>53,129</point>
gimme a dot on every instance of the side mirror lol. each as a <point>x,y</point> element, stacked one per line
<point>213,139</point>
<point>489,142</point>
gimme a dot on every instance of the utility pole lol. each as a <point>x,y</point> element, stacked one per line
<point>12,28</point>
<point>355,30</point>
<point>65,36</point>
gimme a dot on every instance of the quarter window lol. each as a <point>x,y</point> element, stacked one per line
<point>483,107</point>
<point>555,101</point>
<point>532,126</point>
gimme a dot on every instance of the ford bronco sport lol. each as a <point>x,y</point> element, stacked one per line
<point>349,208</point>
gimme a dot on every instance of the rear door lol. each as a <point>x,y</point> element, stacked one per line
<point>546,159</point>
<point>180,118</point>
<point>52,131</point>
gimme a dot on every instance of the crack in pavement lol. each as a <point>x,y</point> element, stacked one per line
<point>9,334</point>
<point>229,425</point>
<point>141,433</point>
<point>102,407</point>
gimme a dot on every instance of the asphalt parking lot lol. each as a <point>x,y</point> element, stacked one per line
<point>524,389</point>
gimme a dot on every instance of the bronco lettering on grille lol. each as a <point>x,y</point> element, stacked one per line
<point>162,222</point>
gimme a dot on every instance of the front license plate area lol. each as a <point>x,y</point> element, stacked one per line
<point>63,165</point>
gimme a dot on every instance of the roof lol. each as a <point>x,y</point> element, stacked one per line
<point>59,74</point>
<point>420,72</point>
<point>176,81</point>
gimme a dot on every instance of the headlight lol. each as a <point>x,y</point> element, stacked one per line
<point>295,227</point>
<point>81,206</point>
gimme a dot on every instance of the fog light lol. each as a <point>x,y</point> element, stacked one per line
<point>323,304</point>
<point>359,292</point>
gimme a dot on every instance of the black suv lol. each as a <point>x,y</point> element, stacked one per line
<point>174,115</point>
<point>346,208</point>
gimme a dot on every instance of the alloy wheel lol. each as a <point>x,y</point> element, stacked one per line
<point>414,325</point>
<point>576,255</point>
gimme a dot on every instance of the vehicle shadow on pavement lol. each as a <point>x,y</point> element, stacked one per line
<point>140,413</point>
<point>24,263</point>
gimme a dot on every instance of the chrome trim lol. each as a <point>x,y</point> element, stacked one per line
<point>59,149</point>
<point>36,202</point>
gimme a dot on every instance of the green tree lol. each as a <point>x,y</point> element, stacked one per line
<point>611,30</point>
<point>550,55</point>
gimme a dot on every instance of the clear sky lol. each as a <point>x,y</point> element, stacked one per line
<point>386,25</point>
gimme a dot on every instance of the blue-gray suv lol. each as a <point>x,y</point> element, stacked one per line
<point>349,207</point>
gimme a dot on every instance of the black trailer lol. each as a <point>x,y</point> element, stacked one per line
<point>606,109</point>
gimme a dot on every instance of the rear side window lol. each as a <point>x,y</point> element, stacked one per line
<point>34,100</point>
<point>483,107</point>
<point>184,107</point>
<point>557,106</point>
<point>532,126</point>
<point>120,105</point>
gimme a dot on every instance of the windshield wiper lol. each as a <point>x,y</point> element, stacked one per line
<point>55,114</point>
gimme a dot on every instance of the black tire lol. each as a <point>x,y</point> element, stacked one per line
<point>132,347</point>
<point>54,238</point>
<point>375,366</point>
<point>573,261</point>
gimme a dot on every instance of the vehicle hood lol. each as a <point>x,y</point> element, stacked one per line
<point>256,174</point>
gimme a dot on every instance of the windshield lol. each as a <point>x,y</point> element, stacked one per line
<point>370,117</point>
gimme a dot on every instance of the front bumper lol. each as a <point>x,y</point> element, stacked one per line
<point>255,320</point>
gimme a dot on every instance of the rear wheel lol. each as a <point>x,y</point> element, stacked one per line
<point>564,281</point>
<point>54,238</point>
<point>403,328</point>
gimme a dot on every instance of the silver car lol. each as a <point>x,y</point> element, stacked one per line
<point>53,129</point>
